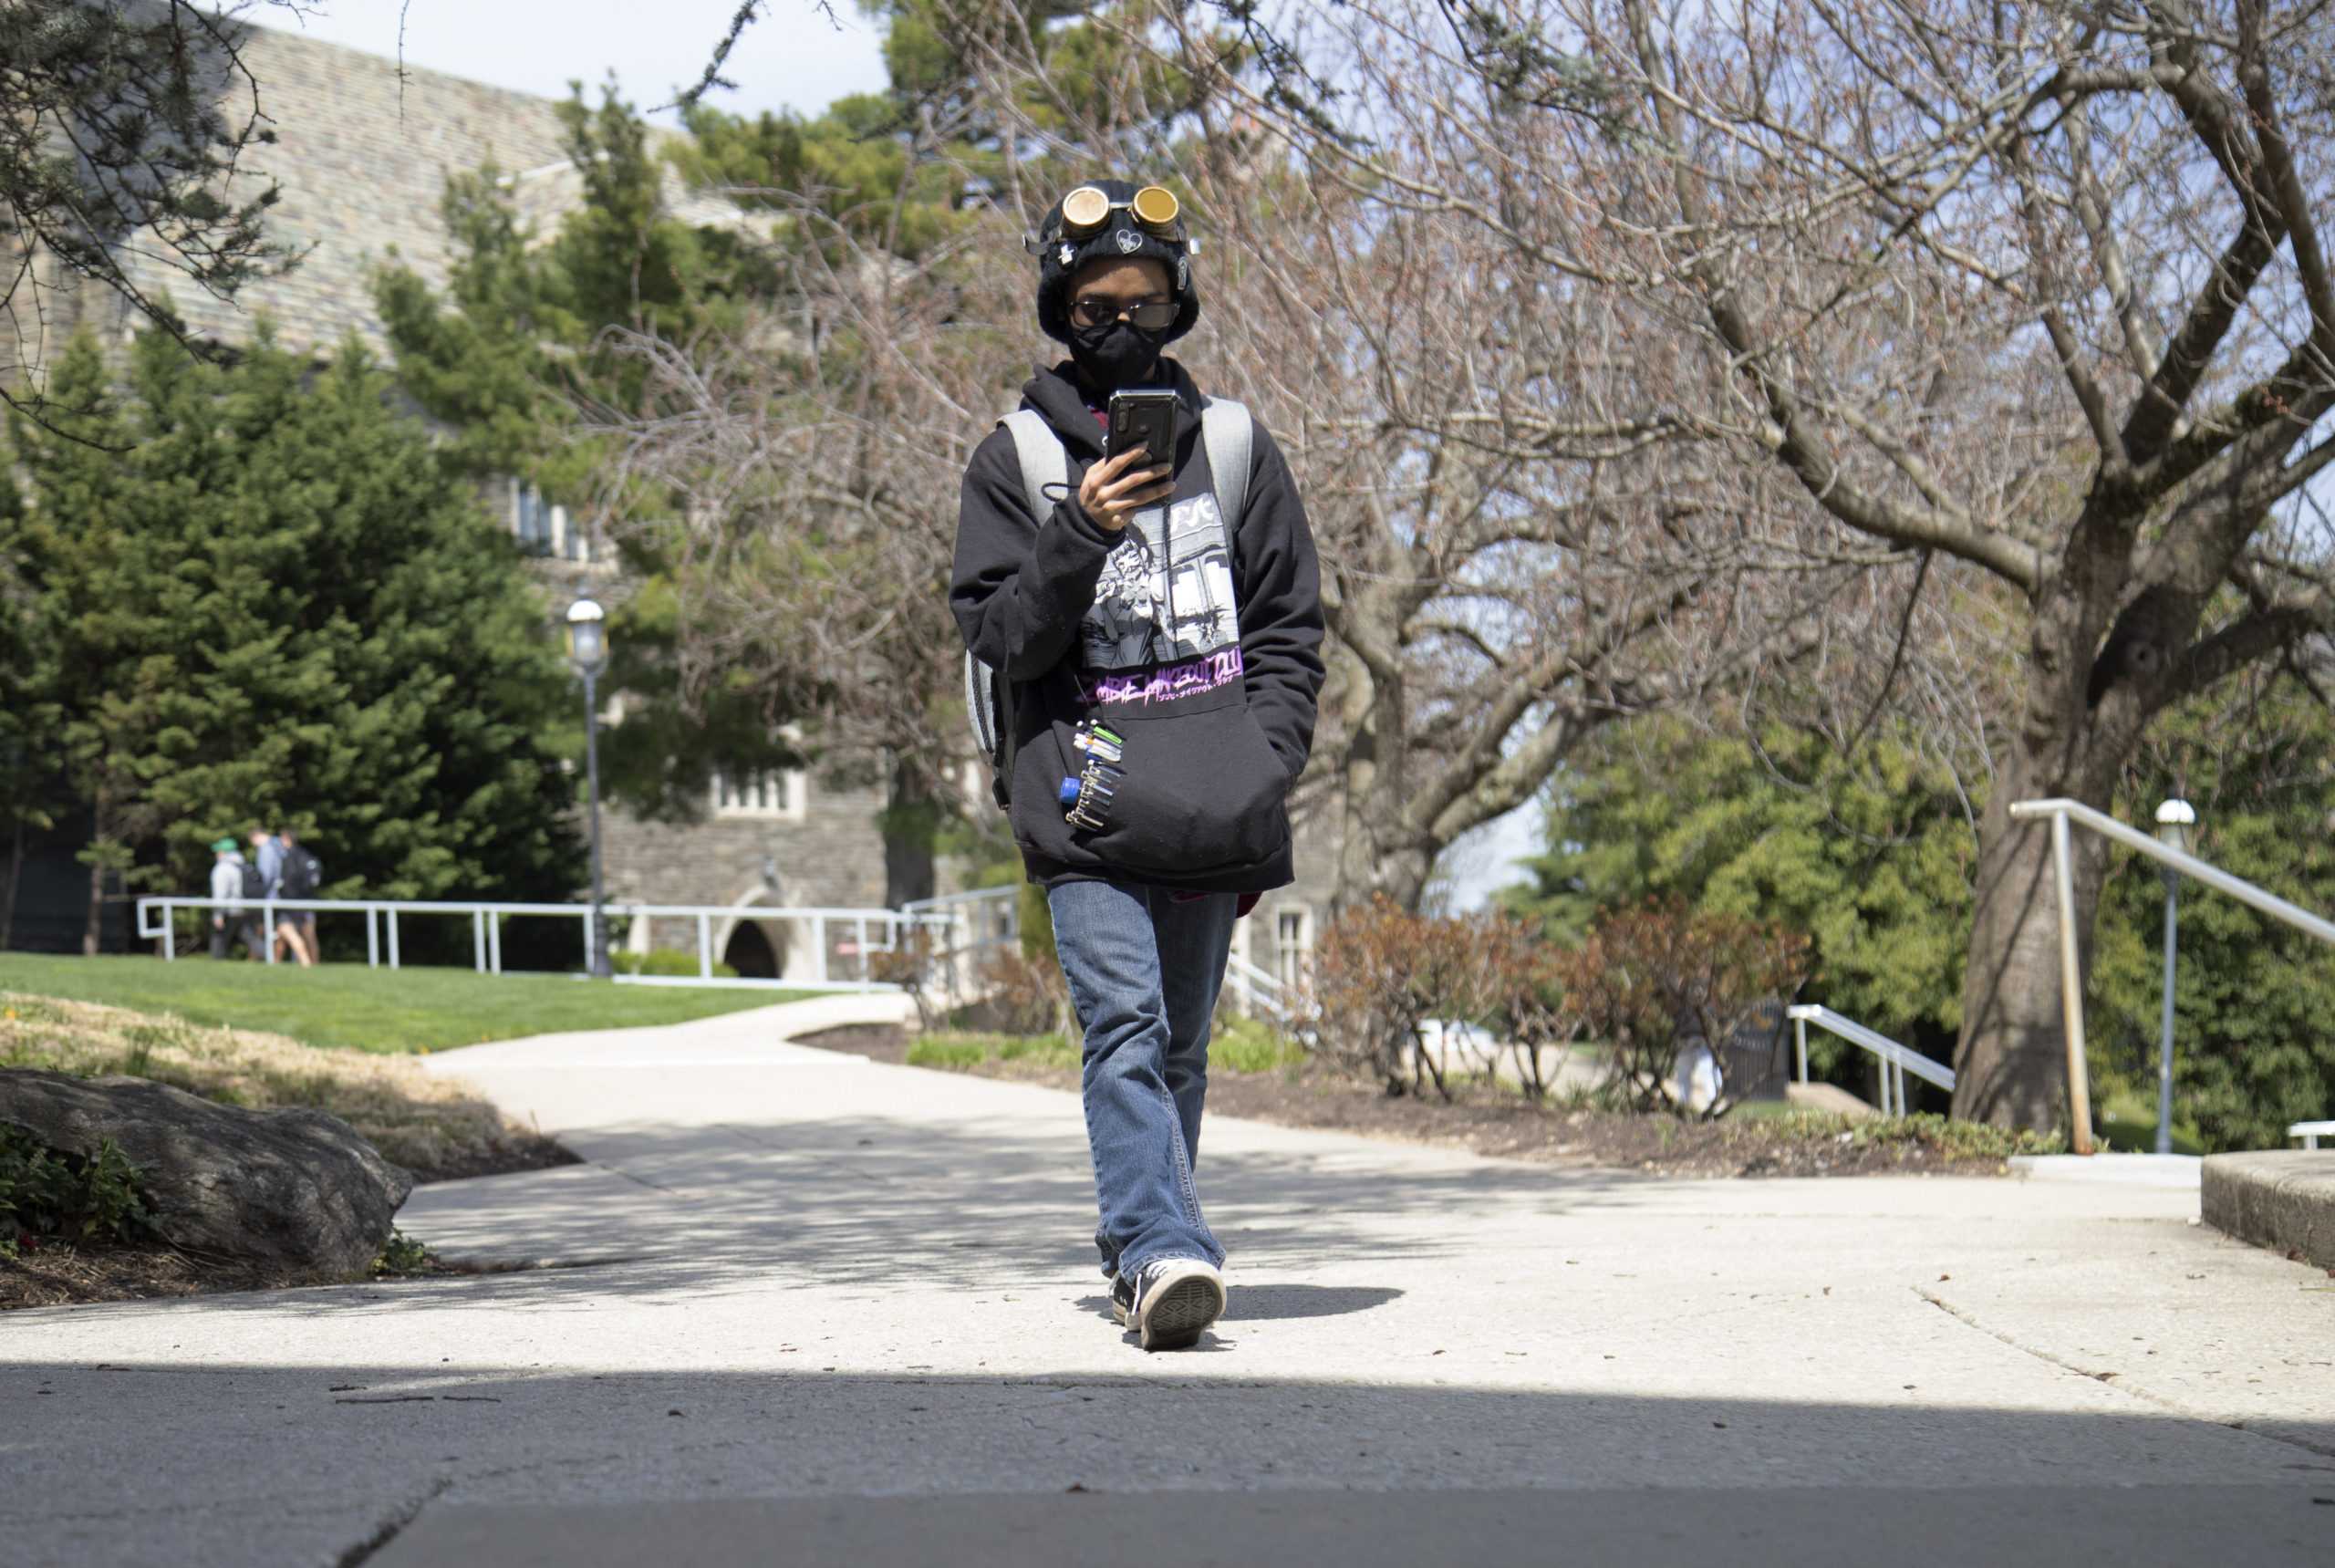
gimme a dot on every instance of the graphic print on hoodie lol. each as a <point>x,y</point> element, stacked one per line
<point>1195,638</point>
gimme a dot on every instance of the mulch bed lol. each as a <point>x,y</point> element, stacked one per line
<point>1506,1126</point>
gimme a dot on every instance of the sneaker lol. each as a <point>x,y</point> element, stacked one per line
<point>1169,1302</point>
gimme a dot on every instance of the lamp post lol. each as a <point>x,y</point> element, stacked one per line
<point>2175,818</point>
<point>587,649</point>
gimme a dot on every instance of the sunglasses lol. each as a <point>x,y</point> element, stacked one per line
<point>1151,315</point>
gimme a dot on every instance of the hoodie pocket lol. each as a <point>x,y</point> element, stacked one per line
<point>1202,790</point>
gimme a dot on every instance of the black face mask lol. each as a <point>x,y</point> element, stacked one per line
<point>1119,355</point>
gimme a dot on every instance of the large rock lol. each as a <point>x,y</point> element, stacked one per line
<point>296,1190</point>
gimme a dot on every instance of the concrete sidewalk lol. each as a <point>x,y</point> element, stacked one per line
<point>812,1309</point>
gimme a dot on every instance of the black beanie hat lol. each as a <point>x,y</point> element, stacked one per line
<point>1059,260</point>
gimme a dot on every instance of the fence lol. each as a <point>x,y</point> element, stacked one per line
<point>838,940</point>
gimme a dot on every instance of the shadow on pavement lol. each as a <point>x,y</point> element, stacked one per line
<point>868,1199</point>
<point>238,1462</point>
<point>1270,1304</point>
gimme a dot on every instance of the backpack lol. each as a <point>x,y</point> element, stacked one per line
<point>303,873</point>
<point>254,883</point>
<point>1227,431</point>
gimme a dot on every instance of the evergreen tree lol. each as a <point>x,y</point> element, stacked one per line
<point>516,344</point>
<point>267,599</point>
<point>2252,1052</point>
<point>1869,855</point>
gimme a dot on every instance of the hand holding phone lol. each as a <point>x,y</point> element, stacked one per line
<point>1145,419</point>
<point>1139,435</point>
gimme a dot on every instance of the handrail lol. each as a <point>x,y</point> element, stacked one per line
<point>487,934</point>
<point>1253,980</point>
<point>1896,1058</point>
<point>2062,811</point>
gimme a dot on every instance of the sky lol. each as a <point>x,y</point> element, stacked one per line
<point>793,58</point>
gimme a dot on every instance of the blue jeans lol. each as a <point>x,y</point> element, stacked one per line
<point>1144,970</point>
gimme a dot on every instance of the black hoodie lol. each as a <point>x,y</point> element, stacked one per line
<point>1197,641</point>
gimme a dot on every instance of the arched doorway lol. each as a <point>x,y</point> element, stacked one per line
<point>757,950</point>
<point>749,951</point>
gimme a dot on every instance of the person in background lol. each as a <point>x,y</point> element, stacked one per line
<point>267,859</point>
<point>227,868</point>
<point>302,877</point>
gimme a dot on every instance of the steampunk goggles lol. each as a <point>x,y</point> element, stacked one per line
<point>1086,211</point>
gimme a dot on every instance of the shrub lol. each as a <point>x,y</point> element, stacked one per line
<point>1381,973</point>
<point>949,1054</point>
<point>1026,995</point>
<point>1248,1045</point>
<point>664,961</point>
<point>45,1192</point>
<point>913,966</point>
<point>1651,977</point>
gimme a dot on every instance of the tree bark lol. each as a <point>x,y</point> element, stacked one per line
<point>911,818</point>
<point>2010,1063</point>
<point>94,929</point>
<point>16,877</point>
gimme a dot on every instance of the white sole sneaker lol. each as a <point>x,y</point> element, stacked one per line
<point>1174,1302</point>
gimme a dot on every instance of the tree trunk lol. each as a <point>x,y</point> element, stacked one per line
<point>2010,1063</point>
<point>16,878</point>
<point>911,818</point>
<point>93,930</point>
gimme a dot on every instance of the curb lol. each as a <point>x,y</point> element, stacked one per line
<point>2282,1200</point>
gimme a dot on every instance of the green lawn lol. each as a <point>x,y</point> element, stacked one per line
<point>368,1009</point>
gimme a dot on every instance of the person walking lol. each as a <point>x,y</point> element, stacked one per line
<point>268,861</point>
<point>302,877</point>
<point>1153,627</point>
<point>229,880</point>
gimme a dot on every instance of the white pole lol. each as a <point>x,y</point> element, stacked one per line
<point>392,913</point>
<point>704,945</point>
<point>372,937</point>
<point>268,924</point>
<point>495,943</point>
<point>478,940</point>
<point>819,949</point>
<point>170,934</point>
<point>1800,1028</point>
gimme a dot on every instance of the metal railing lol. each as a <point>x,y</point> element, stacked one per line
<point>873,931</point>
<point>1257,992</point>
<point>1896,1059</point>
<point>2061,812</point>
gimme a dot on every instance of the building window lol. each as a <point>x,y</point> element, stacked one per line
<point>544,527</point>
<point>773,792</point>
<point>1292,945</point>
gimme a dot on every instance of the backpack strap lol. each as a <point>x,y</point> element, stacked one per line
<point>1044,463</point>
<point>1229,433</point>
<point>989,697</point>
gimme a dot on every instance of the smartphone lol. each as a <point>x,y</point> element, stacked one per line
<point>1144,419</point>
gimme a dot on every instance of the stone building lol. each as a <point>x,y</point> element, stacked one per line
<point>362,154</point>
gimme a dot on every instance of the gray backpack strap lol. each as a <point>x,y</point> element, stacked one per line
<point>1044,463</point>
<point>1227,430</point>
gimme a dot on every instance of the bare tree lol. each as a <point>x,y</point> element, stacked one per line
<point>803,459</point>
<point>120,125</point>
<point>1507,563</point>
<point>2039,288</point>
